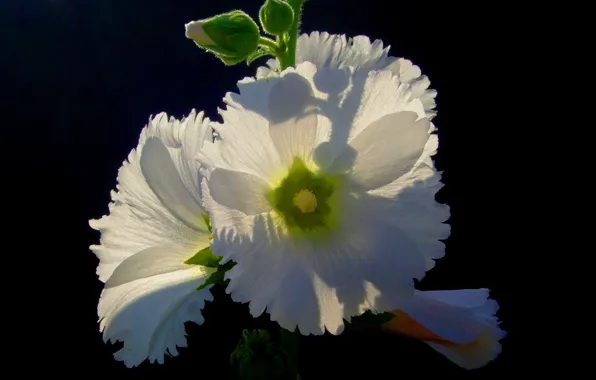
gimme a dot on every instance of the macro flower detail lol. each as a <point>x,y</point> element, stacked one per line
<point>321,189</point>
<point>155,225</point>
<point>459,324</point>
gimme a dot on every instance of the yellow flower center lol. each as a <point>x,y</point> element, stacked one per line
<point>305,201</point>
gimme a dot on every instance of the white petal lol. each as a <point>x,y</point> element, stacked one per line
<point>194,31</point>
<point>465,298</point>
<point>183,139</point>
<point>369,265</point>
<point>149,262</point>
<point>269,272</point>
<point>263,72</point>
<point>368,97</point>
<point>137,221</point>
<point>347,102</point>
<point>239,191</point>
<point>292,118</point>
<point>255,137</point>
<point>407,71</point>
<point>137,218</point>
<point>244,123</point>
<point>322,49</point>
<point>146,238</point>
<point>226,216</point>
<point>148,314</point>
<point>164,180</point>
<point>451,322</point>
<point>293,295</point>
<point>412,75</point>
<point>415,213</point>
<point>272,67</point>
<point>386,150</point>
<point>465,317</point>
<point>295,138</point>
<point>336,51</point>
<point>382,94</point>
<point>415,210</point>
<point>475,355</point>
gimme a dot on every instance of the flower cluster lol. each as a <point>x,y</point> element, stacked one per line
<point>312,200</point>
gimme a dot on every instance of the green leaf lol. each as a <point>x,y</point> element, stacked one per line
<point>205,258</point>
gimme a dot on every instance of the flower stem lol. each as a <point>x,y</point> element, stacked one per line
<point>288,57</point>
<point>270,44</point>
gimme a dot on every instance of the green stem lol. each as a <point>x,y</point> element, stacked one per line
<point>288,58</point>
<point>270,44</point>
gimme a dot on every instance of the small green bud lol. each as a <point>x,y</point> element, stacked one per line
<point>231,36</point>
<point>276,17</point>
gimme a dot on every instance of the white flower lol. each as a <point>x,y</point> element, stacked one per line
<point>322,190</point>
<point>460,324</point>
<point>155,224</point>
<point>337,51</point>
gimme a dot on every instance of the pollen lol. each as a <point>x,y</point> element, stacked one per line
<point>305,201</point>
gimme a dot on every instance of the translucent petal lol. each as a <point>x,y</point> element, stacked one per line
<point>163,178</point>
<point>386,150</point>
<point>148,314</point>
<point>240,191</point>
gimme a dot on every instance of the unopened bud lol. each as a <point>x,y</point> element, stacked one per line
<point>276,17</point>
<point>231,36</point>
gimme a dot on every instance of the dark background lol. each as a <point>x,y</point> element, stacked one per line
<point>80,79</point>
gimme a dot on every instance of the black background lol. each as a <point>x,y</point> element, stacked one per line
<point>80,81</point>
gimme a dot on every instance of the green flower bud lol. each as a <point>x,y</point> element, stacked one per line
<point>231,36</point>
<point>276,17</point>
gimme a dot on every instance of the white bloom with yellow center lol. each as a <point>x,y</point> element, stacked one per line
<point>337,51</point>
<point>322,190</point>
<point>155,224</point>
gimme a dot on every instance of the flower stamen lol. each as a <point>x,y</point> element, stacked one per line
<point>306,201</point>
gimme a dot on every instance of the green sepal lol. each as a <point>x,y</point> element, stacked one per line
<point>207,222</point>
<point>217,277</point>
<point>204,257</point>
<point>256,55</point>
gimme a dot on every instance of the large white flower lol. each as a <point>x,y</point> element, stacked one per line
<point>322,190</point>
<point>337,51</point>
<point>460,324</point>
<point>155,224</point>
